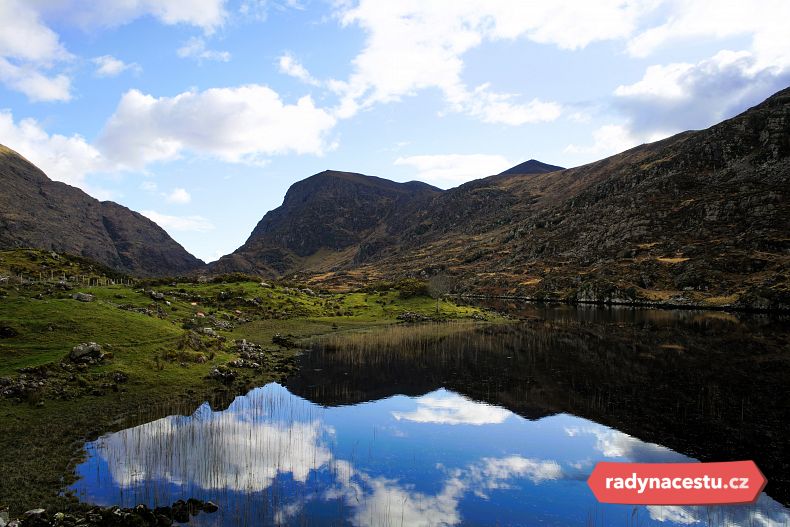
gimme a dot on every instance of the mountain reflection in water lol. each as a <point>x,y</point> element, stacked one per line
<point>454,424</point>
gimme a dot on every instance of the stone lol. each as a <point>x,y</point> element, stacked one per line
<point>156,295</point>
<point>7,332</point>
<point>210,507</point>
<point>83,297</point>
<point>86,352</point>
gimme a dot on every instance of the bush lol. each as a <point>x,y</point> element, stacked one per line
<point>411,287</point>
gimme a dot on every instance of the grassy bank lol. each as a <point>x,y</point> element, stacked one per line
<point>162,345</point>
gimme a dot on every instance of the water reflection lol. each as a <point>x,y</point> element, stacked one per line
<point>461,425</point>
<point>439,459</point>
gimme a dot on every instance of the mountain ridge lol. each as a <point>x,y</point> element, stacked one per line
<point>40,213</point>
<point>696,217</point>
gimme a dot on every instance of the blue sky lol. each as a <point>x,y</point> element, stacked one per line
<point>201,114</point>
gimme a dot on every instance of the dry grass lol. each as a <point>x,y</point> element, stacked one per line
<point>673,260</point>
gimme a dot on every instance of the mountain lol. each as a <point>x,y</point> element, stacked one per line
<point>697,218</point>
<point>44,214</point>
<point>324,221</point>
<point>533,166</point>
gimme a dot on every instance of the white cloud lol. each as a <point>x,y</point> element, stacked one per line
<point>149,186</point>
<point>33,83</point>
<point>414,45</point>
<point>27,49</point>
<point>241,125</point>
<point>615,444</point>
<point>178,195</point>
<point>679,96</point>
<point>258,10</point>
<point>290,66</point>
<point>608,140</point>
<point>179,223</point>
<point>452,409</point>
<point>24,36</point>
<point>499,108</point>
<point>67,159</point>
<point>454,169</point>
<point>765,21</point>
<point>205,14</point>
<point>109,66</point>
<point>195,48</point>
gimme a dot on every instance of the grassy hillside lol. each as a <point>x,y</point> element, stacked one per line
<point>162,341</point>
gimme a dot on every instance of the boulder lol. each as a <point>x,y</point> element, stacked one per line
<point>156,295</point>
<point>83,297</point>
<point>86,352</point>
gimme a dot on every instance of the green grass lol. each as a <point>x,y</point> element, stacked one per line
<point>42,436</point>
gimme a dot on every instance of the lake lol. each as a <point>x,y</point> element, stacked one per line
<point>462,424</point>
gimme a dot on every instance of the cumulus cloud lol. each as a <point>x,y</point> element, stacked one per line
<point>179,223</point>
<point>452,409</point>
<point>242,124</point>
<point>63,158</point>
<point>292,67</point>
<point>764,21</point>
<point>178,195</point>
<point>415,45</point>
<point>37,86</point>
<point>453,169</point>
<point>195,48</point>
<point>679,96</point>
<point>674,97</point>
<point>28,49</point>
<point>109,66</point>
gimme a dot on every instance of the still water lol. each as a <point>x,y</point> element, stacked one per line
<point>465,425</point>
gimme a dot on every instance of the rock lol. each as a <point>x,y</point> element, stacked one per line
<point>223,375</point>
<point>209,331</point>
<point>4,519</point>
<point>156,295</point>
<point>86,352</point>
<point>7,332</point>
<point>83,297</point>
<point>263,284</point>
<point>34,513</point>
<point>408,316</point>
<point>308,292</point>
<point>210,507</point>
<point>286,341</point>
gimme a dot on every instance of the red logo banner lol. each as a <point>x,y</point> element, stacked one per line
<point>677,483</point>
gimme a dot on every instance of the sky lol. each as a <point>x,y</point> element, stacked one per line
<point>200,114</point>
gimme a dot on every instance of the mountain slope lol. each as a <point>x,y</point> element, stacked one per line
<point>698,217</point>
<point>325,220</point>
<point>44,214</point>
